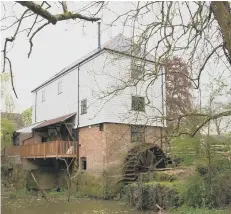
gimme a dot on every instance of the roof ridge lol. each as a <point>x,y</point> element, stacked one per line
<point>118,43</point>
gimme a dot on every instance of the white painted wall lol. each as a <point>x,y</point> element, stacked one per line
<point>56,105</point>
<point>98,77</point>
<point>107,73</point>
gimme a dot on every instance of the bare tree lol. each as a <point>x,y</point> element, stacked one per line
<point>195,31</point>
<point>41,17</point>
<point>198,32</point>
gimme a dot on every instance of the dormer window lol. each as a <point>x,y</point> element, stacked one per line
<point>43,96</point>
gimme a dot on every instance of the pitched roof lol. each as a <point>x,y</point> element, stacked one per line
<point>28,129</point>
<point>119,43</point>
<point>54,121</point>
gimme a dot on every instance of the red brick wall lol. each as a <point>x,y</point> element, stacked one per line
<point>118,138</point>
<point>105,149</point>
<point>93,145</point>
<point>108,148</point>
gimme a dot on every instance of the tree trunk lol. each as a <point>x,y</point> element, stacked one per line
<point>221,11</point>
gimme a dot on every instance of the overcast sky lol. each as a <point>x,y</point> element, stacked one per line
<point>54,48</point>
<point>57,46</point>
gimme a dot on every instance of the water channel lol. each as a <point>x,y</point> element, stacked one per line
<point>77,206</point>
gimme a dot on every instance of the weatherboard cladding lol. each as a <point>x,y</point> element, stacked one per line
<point>119,44</point>
<point>57,105</point>
<point>100,72</point>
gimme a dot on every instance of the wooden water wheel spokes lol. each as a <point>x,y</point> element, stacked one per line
<point>142,159</point>
<point>151,158</point>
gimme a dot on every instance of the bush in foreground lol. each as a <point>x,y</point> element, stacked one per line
<point>210,186</point>
<point>145,196</point>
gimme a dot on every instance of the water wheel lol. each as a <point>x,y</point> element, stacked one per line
<point>150,159</point>
<point>142,159</point>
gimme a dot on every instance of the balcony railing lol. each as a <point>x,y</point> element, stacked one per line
<point>53,149</point>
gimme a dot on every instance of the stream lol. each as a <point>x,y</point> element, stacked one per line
<point>75,206</point>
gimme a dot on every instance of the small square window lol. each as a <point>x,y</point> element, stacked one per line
<point>60,87</point>
<point>43,96</point>
<point>84,106</point>
<point>137,133</point>
<point>138,103</point>
<point>83,163</point>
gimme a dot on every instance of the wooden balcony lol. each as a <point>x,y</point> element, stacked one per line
<point>53,149</point>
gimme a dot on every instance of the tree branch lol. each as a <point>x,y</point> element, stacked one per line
<point>37,9</point>
<point>37,18</point>
<point>11,74</point>
<point>43,192</point>
<point>213,117</point>
<point>64,5</point>
<point>11,39</point>
<point>31,43</point>
<point>221,11</point>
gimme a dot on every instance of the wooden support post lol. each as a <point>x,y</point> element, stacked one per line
<point>56,149</point>
<point>33,151</point>
<point>44,153</point>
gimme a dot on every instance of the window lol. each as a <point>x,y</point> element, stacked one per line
<point>137,133</point>
<point>136,70</point>
<point>43,95</point>
<point>60,87</point>
<point>138,103</point>
<point>43,139</point>
<point>83,163</point>
<point>101,126</point>
<point>84,106</point>
<point>17,141</point>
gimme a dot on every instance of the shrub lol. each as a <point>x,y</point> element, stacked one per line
<point>210,187</point>
<point>145,196</point>
<point>191,210</point>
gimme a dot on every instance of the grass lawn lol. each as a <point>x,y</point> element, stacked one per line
<point>190,210</point>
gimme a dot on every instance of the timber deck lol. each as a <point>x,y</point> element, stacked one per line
<point>53,149</point>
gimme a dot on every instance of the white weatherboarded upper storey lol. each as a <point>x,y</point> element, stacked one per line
<point>101,78</point>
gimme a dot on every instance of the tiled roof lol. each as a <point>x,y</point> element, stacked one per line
<point>118,43</point>
<point>54,121</point>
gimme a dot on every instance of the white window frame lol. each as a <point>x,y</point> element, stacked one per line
<point>83,107</point>
<point>138,103</point>
<point>60,87</point>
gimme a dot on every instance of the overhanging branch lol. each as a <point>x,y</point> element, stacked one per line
<point>37,9</point>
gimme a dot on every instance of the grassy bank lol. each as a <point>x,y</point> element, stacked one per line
<point>191,210</point>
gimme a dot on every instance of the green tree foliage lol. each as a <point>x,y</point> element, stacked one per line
<point>186,148</point>
<point>7,129</point>
<point>6,98</point>
<point>210,187</point>
<point>27,116</point>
